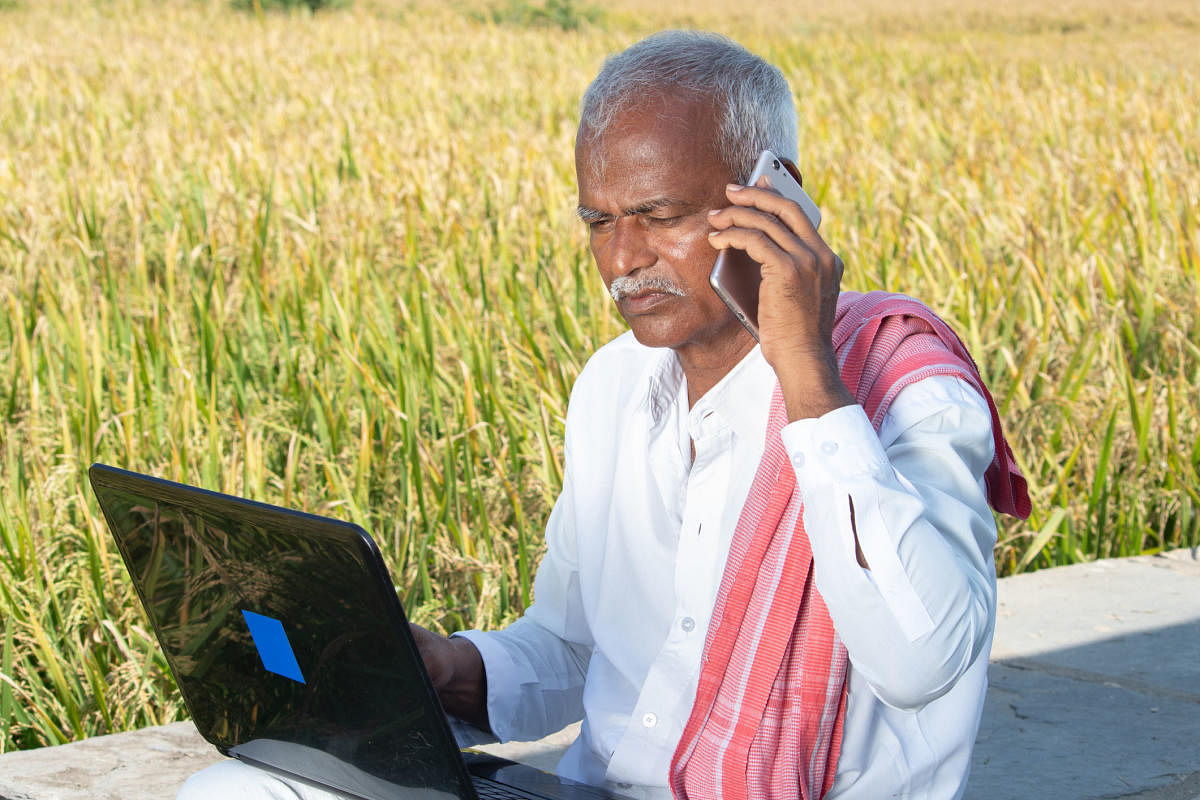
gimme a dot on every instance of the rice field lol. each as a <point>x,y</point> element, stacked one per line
<point>331,261</point>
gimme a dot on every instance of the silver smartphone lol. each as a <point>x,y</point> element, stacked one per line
<point>736,277</point>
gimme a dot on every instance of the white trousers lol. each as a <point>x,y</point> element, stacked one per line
<point>234,780</point>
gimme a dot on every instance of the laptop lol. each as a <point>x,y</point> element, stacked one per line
<point>290,647</point>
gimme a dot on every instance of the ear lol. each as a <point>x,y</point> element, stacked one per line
<point>793,169</point>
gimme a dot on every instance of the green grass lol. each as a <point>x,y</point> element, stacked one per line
<point>330,261</point>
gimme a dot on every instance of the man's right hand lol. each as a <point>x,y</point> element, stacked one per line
<point>456,671</point>
<point>797,301</point>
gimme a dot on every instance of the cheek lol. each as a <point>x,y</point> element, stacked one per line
<point>690,253</point>
<point>598,258</point>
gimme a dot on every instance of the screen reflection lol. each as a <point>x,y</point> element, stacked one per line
<point>202,560</point>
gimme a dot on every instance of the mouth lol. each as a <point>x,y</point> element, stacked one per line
<point>637,295</point>
<point>644,301</point>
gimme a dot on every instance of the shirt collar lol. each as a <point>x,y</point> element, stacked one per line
<point>741,399</point>
<point>663,385</point>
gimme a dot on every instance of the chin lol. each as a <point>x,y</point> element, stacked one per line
<point>651,332</point>
<point>659,330</point>
<point>652,338</point>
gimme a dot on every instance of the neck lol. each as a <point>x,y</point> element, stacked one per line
<point>705,367</point>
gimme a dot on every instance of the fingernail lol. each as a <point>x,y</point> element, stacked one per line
<point>734,187</point>
<point>712,211</point>
<point>712,233</point>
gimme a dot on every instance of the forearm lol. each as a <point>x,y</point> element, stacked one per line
<point>811,384</point>
<point>535,679</point>
<point>920,616</point>
<point>924,611</point>
<point>464,695</point>
<point>456,670</point>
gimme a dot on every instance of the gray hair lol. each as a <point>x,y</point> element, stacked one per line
<point>753,100</point>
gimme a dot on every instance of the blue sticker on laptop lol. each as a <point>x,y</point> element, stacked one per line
<point>273,646</point>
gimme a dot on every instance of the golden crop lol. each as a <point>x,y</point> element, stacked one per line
<point>330,261</point>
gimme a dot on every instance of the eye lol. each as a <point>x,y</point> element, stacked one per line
<point>665,222</point>
<point>599,225</point>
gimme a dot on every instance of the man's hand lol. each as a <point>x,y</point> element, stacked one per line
<point>456,671</point>
<point>797,301</point>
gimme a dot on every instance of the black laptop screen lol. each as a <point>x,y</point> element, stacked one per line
<point>278,627</point>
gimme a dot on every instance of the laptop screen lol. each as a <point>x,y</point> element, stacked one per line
<point>281,627</point>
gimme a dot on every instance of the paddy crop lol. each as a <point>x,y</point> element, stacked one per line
<point>330,261</point>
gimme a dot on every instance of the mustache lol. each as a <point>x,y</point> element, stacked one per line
<point>627,285</point>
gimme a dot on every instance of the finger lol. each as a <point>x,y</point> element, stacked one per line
<point>761,247</point>
<point>753,219</point>
<point>772,202</point>
<point>795,276</point>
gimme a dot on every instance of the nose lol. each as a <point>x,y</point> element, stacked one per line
<point>630,248</point>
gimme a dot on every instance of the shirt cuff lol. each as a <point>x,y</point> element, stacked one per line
<point>838,459</point>
<point>502,674</point>
<point>834,447</point>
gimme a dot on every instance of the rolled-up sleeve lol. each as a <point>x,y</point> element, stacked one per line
<point>924,609</point>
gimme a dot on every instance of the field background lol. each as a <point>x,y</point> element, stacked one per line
<point>331,262</point>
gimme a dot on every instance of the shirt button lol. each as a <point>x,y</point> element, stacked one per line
<point>688,624</point>
<point>798,460</point>
<point>649,719</point>
<point>829,448</point>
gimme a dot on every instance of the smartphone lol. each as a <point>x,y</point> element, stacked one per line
<point>736,277</point>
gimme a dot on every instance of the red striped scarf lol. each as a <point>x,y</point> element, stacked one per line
<point>767,720</point>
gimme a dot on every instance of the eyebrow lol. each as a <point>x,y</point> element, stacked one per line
<point>588,214</point>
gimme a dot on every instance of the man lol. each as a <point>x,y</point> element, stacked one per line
<point>721,628</point>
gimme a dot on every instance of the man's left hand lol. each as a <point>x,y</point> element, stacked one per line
<point>797,301</point>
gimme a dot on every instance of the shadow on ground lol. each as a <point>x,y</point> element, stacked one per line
<point>1117,717</point>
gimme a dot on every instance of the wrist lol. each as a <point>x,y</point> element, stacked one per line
<point>812,386</point>
<point>464,693</point>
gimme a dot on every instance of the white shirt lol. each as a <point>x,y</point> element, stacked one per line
<point>636,546</point>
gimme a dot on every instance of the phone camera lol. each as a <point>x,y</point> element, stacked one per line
<point>775,164</point>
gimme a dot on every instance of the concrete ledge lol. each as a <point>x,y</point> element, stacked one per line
<point>150,763</point>
<point>1095,684</point>
<point>1095,693</point>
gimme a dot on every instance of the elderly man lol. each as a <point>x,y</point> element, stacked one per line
<point>769,573</point>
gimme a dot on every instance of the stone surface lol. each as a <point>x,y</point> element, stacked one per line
<point>1095,693</point>
<point>543,754</point>
<point>150,763</point>
<point>1095,684</point>
<point>153,763</point>
<point>1062,736</point>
